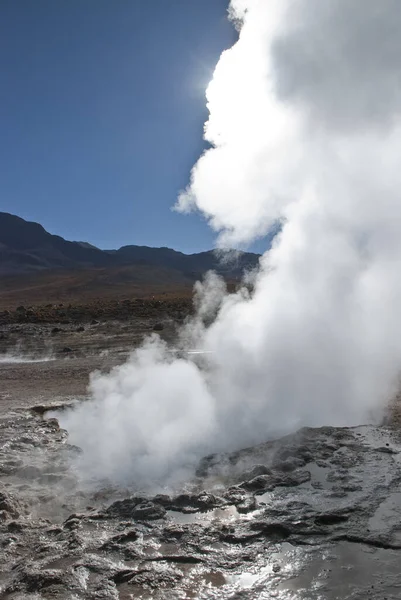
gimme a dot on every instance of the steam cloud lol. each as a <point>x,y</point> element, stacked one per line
<point>305,129</point>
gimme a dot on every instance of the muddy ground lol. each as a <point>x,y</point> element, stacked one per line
<point>51,361</point>
<point>313,516</point>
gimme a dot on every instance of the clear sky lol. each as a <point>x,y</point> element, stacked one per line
<point>101,115</point>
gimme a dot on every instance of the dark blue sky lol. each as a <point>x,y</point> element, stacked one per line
<point>101,114</point>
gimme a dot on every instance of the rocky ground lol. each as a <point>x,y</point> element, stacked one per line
<point>315,515</point>
<point>135,310</point>
<point>50,361</point>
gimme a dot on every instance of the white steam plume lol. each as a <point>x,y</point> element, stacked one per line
<point>305,128</point>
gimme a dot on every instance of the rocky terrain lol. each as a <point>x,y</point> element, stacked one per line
<point>135,310</point>
<point>315,515</point>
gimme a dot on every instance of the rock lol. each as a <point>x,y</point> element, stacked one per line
<point>66,350</point>
<point>56,330</point>
<point>207,501</point>
<point>188,503</point>
<point>80,329</point>
<point>158,327</point>
<point>331,518</point>
<point>162,499</point>
<point>53,424</point>
<point>156,579</point>
<point>123,576</point>
<point>15,527</point>
<point>136,508</point>
<point>9,506</point>
<point>94,322</point>
<point>386,450</point>
<point>105,590</point>
<point>235,495</point>
<point>289,464</point>
<point>72,523</point>
<point>255,472</point>
<point>260,483</point>
<point>124,508</point>
<point>292,479</point>
<point>247,505</point>
<point>35,581</point>
<point>124,538</point>
<point>276,531</point>
<point>147,511</point>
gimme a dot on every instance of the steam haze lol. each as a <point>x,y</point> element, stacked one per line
<point>305,129</point>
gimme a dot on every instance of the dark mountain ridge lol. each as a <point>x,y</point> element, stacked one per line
<point>26,247</point>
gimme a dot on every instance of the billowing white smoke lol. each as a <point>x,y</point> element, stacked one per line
<point>305,128</point>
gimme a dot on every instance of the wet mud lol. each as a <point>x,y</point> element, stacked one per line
<point>314,515</point>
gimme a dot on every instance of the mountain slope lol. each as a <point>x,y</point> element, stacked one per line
<point>26,247</point>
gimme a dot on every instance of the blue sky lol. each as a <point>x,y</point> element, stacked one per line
<point>101,115</point>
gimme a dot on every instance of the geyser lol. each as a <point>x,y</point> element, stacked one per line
<point>304,129</point>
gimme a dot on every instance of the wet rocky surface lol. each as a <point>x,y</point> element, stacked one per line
<point>313,515</point>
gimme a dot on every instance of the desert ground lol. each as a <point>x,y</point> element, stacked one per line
<point>315,515</point>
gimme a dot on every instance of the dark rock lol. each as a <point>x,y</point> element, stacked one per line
<point>136,508</point>
<point>247,505</point>
<point>124,538</point>
<point>80,329</point>
<point>235,495</point>
<point>53,424</point>
<point>94,322</point>
<point>123,576</point>
<point>276,531</point>
<point>177,558</point>
<point>289,464</point>
<point>292,479</point>
<point>35,580</point>
<point>162,499</point>
<point>124,508</point>
<point>260,483</point>
<point>207,501</point>
<point>10,506</point>
<point>158,327</point>
<point>147,511</point>
<point>157,579</point>
<point>255,472</point>
<point>386,450</point>
<point>195,502</point>
<point>56,330</point>
<point>331,518</point>
<point>72,523</point>
<point>66,350</point>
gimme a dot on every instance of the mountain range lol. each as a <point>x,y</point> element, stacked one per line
<point>26,247</point>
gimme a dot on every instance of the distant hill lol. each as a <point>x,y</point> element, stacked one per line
<point>27,248</point>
